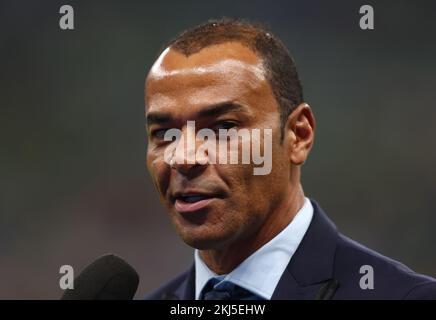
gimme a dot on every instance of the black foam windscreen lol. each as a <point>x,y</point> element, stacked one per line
<point>107,278</point>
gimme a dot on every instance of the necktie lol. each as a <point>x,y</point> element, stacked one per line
<point>216,289</point>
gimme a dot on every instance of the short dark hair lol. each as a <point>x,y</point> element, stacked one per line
<point>277,61</point>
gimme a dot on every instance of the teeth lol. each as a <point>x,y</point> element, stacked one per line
<point>192,199</point>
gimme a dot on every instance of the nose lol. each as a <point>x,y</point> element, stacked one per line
<point>180,164</point>
<point>188,170</point>
<point>184,159</point>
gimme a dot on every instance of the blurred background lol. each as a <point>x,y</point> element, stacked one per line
<point>73,179</point>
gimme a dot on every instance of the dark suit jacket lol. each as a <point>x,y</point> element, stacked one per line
<point>327,265</point>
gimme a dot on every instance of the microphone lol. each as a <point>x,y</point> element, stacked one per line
<point>107,278</point>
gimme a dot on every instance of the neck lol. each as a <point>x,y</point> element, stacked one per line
<point>224,260</point>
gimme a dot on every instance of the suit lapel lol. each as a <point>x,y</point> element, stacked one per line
<point>309,273</point>
<point>186,289</point>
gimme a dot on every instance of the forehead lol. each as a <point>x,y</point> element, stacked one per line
<point>228,71</point>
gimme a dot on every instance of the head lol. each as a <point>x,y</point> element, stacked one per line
<point>226,74</point>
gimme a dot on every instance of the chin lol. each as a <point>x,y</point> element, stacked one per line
<point>204,241</point>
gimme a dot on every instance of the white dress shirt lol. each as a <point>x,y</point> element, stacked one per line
<point>261,271</point>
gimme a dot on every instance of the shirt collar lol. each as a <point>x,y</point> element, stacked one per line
<point>261,272</point>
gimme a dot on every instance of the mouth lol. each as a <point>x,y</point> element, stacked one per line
<point>192,201</point>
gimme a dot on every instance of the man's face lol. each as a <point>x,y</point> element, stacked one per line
<point>222,86</point>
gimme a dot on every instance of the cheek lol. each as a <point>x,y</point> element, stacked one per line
<point>241,183</point>
<point>159,171</point>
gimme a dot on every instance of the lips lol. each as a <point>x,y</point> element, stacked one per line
<point>193,198</point>
<point>192,201</point>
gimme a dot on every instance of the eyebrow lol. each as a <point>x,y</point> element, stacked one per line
<point>157,117</point>
<point>209,111</point>
<point>221,108</point>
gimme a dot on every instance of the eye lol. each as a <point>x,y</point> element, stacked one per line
<point>158,134</point>
<point>224,125</point>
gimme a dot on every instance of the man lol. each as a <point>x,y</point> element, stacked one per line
<point>256,236</point>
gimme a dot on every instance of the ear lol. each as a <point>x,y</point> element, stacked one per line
<point>299,133</point>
